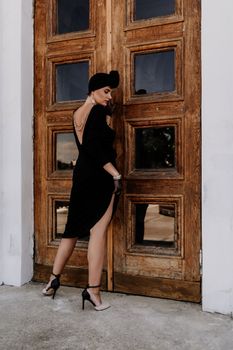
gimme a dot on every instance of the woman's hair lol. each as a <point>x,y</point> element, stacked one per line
<point>100,80</point>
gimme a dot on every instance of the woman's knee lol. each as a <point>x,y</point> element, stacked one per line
<point>68,243</point>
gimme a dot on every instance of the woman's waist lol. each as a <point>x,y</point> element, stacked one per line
<point>90,171</point>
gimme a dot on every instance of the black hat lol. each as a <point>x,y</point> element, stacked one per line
<point>100,80</point>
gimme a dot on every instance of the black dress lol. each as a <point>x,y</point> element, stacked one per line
<point>93,186</point>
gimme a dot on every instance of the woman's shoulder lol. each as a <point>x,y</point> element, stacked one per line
<point>99,109</point>
<point>97,115</point>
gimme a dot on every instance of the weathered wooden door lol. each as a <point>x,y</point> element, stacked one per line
<point>154,240</point>
<point>157,231</point>
<point>70,45</point>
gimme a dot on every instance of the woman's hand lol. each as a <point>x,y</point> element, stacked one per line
<point>118,187</point>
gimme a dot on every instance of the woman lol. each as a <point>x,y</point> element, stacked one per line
<point>96,186</point>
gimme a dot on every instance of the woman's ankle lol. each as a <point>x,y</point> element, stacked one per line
<point>95,291</point>
<point>53,276</point>
<point>95,296</point>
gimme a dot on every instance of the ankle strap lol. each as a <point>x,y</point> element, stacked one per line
<point>93,286</point>
<point>58,276</point>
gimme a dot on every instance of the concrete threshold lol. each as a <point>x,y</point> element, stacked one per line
<point>28,320</point>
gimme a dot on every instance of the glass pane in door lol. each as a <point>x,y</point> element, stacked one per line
<point>154,72</point>
<point>61,212</point>
<point>145,9</point>
<point>72,16</point>
<point>72,81</point>
<point>155,148</point>
<point>66,151</point>
<point>155,224</point>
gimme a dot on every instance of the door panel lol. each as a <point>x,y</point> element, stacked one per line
<point>154,240</point>
<point>158,54</point>
<point>67,51</point>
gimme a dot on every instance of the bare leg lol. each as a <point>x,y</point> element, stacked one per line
<point>96,252</point>
<point>64,252</point>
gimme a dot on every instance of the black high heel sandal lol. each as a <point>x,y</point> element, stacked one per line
<point>87,296</point>
<point>52,286</point>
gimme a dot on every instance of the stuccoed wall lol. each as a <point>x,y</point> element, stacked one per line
<point>16,135</point>
<point>217,155</point>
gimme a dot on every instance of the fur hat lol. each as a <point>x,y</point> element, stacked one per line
<point>100,80</point>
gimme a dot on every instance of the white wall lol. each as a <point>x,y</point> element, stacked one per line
<point>217,155</point>
<point>16,132</point>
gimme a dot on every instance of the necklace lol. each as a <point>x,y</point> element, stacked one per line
<point>80,126</point>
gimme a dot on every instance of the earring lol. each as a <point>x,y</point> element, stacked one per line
<point>93,100</point>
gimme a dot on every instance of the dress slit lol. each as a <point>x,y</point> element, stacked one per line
<point>110,206</point>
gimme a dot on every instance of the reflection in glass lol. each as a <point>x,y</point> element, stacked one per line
<point>154,72</point>
<point>155,147</point>
<point>155,224</point>
<point>145,9</point>
<point>72,16</point>
<point>66,151</point>
<point>61,212</point>
<point>72,81</point>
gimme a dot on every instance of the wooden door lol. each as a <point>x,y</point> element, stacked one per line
<point>154,240</point>
<point>156,44</point>
<point>70,45</point>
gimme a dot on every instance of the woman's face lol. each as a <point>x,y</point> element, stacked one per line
<point>102,96</point>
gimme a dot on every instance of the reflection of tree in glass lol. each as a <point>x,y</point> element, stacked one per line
<point>65,166</point>
<point>155,148</point>
<point>140,92</point>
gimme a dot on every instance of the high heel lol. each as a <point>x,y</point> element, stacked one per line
<point>52,286</point>
<point>87,296</point>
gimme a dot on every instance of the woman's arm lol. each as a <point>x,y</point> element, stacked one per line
<point>94,144</point>
<point>116,177</point>
<point>109,167</point>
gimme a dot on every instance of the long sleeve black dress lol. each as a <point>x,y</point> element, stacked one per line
<point>93,186</point>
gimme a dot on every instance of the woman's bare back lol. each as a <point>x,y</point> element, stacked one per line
<point>80,117</point>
